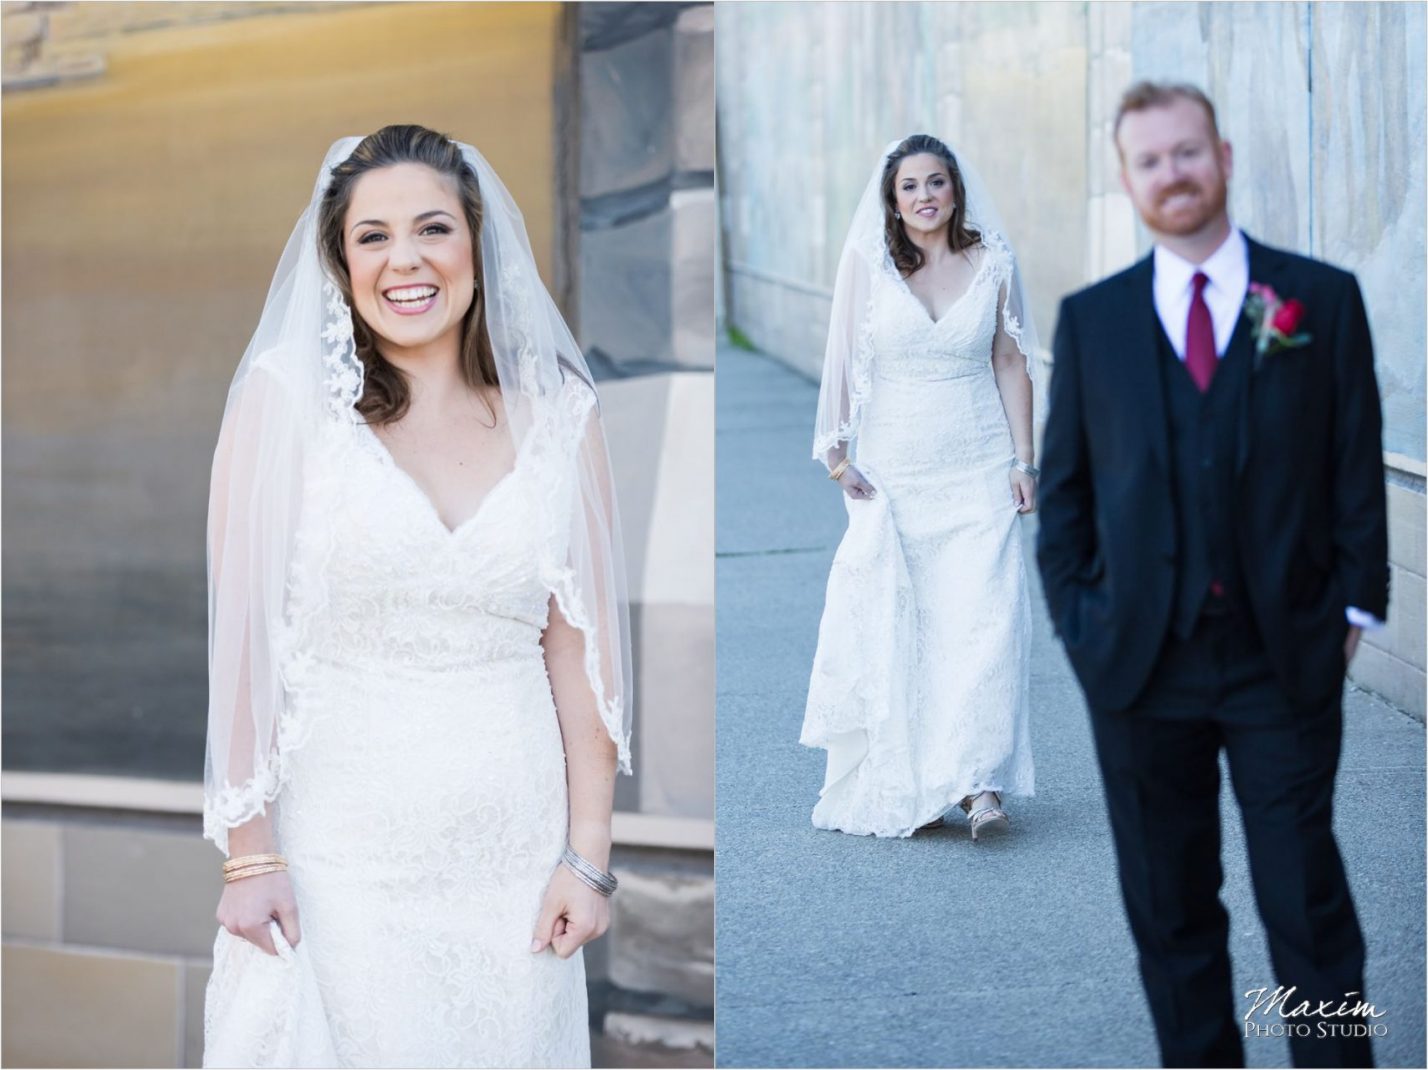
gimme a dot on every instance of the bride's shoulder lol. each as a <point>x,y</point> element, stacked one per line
<point>576,398</point>
<point>995,244</point>
<point>997,253</point>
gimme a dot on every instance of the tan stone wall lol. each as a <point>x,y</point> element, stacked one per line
<point>643,116</point>
<point>109,928</point>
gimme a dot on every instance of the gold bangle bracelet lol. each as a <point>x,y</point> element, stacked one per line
<point>256,871</point>
<point>838,471</point>
<point>255,865</point>
<point>251,860</point>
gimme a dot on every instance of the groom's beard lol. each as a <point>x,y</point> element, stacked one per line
<point>1211,203</point>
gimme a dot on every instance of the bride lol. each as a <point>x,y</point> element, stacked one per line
<point>419,653</point>
<point>919,683</point>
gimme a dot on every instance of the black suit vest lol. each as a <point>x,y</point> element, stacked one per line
<point>1203,431</point>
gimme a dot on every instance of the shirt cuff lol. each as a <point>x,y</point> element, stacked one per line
<point>1359,619</point>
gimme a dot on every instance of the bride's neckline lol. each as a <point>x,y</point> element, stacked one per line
<point>385,457</point>
<point>976,279</point>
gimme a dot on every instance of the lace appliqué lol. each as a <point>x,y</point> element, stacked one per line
<point>342,371</point>
<point>557,442</point>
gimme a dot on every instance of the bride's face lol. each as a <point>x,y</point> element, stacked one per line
<point>409,255</point>
<point>924,193</point>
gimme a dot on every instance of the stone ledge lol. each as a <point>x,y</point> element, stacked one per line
<point>83,797</point>
<point>32,881</point>
<point>53,71</point>
<point>647,1030</point>
<point>611,1050</point>
<point>72,1007</point>
<point>662,934</point>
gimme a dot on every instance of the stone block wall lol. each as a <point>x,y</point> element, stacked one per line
<point>637,123</point>
<point>109,926</point>
<point>645,186</point>
<point>638,119</point>
<point>1324,104</point>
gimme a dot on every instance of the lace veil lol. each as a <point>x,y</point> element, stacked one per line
<point>848,357</point>
<point>299,381</point>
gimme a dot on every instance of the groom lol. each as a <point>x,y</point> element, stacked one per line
<point>1213,538</point>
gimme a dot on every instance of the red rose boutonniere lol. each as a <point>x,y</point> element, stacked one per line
<point>1276,321</point>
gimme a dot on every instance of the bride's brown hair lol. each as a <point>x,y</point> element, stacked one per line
<point>906,256</point>
<point>386,394</point>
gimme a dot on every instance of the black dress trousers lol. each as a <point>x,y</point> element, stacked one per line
<point>1159,759</point>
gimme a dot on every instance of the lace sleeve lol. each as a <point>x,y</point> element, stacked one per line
<point>588,582</point>
<point>1012,318</point>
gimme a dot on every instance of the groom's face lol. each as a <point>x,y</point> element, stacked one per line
<point>1174,167</point>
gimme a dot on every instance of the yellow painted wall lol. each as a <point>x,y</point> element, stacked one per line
<point>144,211</point>
<point>143,215</point>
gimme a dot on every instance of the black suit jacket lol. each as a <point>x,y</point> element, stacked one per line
<point>1308,511</point>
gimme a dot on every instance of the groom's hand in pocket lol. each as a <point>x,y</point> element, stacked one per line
<point>571,915</point>
<point>1351,643</point>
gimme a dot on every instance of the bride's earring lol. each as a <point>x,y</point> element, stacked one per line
<point>897,215</point>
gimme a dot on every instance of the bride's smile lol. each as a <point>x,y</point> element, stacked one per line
<point>411,300</point>
<point>408,249</point>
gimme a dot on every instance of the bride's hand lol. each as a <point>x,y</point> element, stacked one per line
<point>249,904</point>
<point>1023,488</point>
<point>571,915</point>
<point>854,485</point>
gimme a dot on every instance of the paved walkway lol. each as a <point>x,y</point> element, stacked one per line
<point>838,950</point>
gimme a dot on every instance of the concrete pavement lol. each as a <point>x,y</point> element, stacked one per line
<point>836,950</point>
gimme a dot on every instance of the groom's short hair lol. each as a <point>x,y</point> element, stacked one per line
<point>1147,94</point>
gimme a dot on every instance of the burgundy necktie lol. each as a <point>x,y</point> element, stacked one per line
<point>1200,360</point>
<point>1200,357</point>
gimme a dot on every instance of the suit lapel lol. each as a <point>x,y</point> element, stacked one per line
<point>1264,267</point>
<point>1140,344</point>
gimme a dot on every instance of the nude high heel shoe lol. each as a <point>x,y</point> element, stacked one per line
<point>990,817</point>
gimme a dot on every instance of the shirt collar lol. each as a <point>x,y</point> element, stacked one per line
<point>1227,267</point>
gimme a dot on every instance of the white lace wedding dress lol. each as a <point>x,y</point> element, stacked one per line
<point>919,684</point>
<point>425,804</point>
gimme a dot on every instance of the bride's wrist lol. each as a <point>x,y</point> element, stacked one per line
<point>592,841</point>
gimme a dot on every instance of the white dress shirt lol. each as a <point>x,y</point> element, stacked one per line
<point>1228,271</point>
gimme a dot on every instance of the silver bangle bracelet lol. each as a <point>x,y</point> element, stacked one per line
<point>1029,469</point>
<point>589,872</point>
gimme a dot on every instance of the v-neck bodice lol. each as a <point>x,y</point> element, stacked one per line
<point>908,344</point>
<point>403,590</point>
<point>383,455</point>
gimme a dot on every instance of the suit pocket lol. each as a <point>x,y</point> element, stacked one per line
<point>1318,550</point>
<point>1093,572</point>
<point>1313,590</point>
<point>1085,617</point>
